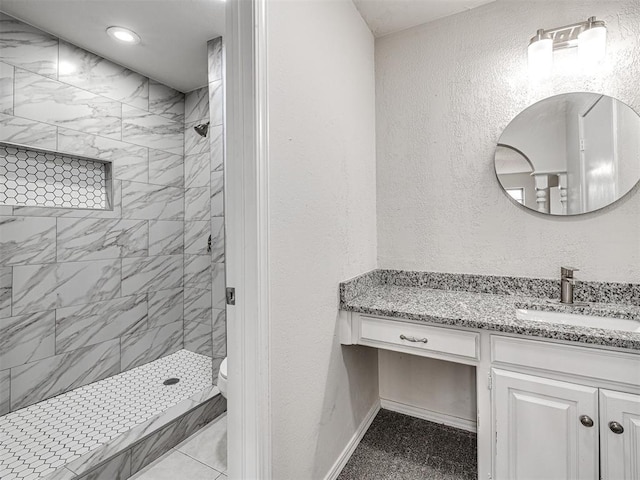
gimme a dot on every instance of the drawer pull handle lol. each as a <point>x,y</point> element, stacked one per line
<point>413,339</point>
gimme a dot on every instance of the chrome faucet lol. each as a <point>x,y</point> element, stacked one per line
<point>567,282</point>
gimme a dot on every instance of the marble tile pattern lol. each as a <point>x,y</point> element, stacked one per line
<point>165,307</point>
<point>27,338</point>
<point>50,101</point>
<point>86,294</point>
<point>217,194</point>
<point>51,376</point>
<point>157,444</point>
<point>91,432</point>
<point>27,47</point>
<point>117,467</point>
<point>5,391</point>
<point>27,240</point>
<point>142,201</point>
<point>166,102</point>
<point>197,228</point>
<point>100,239</point>
<point>57,285</point>
<point>197,337</point>
<point>175,464</point>
<point>102,77</point>
<point>145,346</point>
<point>216,147</point>
<point>166,237</point>
<point>151,130</point>
<point>219,332</point>
<point>490,302</point>
<point>92,323</point>
<point>196,237</point>
<point>150,274</point>
<point>197,204</point>
<point>166,168</point>
<point>6,274</point>
<point>201,456</point>
<point>197,271</point>
<point>6,88</point>
<point>217,239</point>
<point>27,132</point>
<point>215,55</point>
<point>196,106</point>
<point>197,305</point>
<point>128,162</point>
<point>194,165</point>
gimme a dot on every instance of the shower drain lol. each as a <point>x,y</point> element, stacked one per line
<point>171,381</point>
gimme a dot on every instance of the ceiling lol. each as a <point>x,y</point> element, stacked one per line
<point>174,33</point>
<point>389,16</point>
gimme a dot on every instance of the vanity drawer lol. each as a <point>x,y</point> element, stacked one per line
<point>382,333</point>
<point>589,362</point>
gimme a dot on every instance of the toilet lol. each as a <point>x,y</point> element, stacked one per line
<point>222,378</point>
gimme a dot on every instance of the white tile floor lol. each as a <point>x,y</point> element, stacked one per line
<point>42,437</point>
<point>203,456</point>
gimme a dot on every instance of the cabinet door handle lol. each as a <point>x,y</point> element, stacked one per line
<point>586,420</point>
<point>413,339</point>
<point>615,427</point>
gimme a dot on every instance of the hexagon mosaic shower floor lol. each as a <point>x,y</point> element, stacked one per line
<point>38,439</point>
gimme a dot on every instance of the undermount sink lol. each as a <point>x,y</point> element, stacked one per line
<point>590,321</point>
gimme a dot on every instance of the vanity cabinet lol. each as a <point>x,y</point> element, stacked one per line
<point>551,429</point>
<point>541,393</point>
<point>545,429</point>
<point>619,442</point>
<point>544,406</point>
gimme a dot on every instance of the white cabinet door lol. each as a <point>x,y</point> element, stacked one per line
<point>620,441</point>
<point>539,434</point>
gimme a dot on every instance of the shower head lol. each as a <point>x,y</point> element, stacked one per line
<point>202,129</point>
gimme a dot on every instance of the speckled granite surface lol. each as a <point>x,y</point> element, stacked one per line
<point>490,303</point>
<point>399,447</point>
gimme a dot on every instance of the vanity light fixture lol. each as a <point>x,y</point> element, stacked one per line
<point>590,37</point>
<point>123,35</point>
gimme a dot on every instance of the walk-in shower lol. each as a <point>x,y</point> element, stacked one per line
<point>112,313</point>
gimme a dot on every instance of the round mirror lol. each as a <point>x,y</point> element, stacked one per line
<point>570,154</point>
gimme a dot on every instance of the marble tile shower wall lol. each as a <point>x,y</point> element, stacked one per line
<point>197,227</point>
<point>216,155</point>
<point>88,294</point>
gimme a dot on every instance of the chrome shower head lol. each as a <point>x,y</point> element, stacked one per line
<point>202,129</point>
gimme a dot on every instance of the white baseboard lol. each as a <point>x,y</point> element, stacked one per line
<point>345,455</point>
<point>435,417</point>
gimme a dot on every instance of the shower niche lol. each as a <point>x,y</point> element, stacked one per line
<point>31,177</point>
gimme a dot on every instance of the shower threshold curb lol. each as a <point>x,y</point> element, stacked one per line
<point>195,412</point>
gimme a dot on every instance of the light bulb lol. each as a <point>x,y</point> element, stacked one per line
<point>592,44</point>
<point>540,53</point>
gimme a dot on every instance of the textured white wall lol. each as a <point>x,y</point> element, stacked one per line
<point>323,227</point>
<point>442,387</point>
<point>445,91</point>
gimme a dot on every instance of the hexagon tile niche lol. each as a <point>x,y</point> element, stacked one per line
<point>38,178</point>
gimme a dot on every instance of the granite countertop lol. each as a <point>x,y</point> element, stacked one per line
<point>490,303</point>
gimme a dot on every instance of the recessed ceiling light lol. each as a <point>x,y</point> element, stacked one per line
<point>124,35</point>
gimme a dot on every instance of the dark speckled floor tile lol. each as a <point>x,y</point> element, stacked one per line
<point>400,447</point>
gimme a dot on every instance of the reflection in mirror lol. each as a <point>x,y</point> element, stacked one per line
<point>570,154</point>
